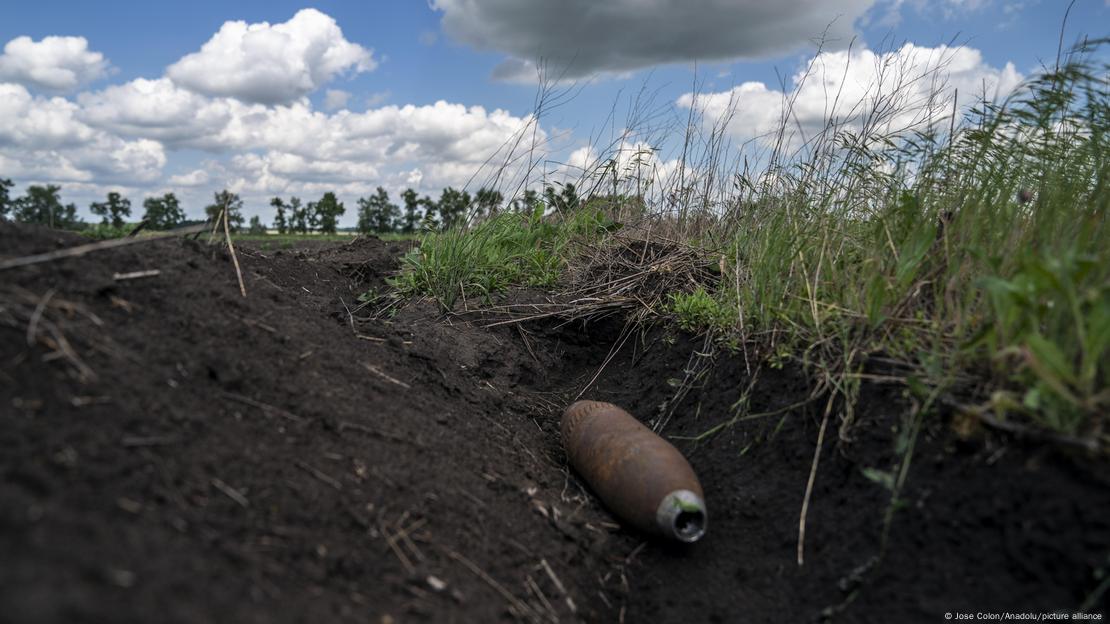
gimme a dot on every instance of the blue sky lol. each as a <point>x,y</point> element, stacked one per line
<point>140,104</point>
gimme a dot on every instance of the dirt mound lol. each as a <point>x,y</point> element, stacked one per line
<point>175,452</point>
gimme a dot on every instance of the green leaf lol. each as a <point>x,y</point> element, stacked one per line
<point>1098,332</point>
<point>884,478</point>
<point>1032,399</point>
<point>1051,357</point>
<point>1051,367</point>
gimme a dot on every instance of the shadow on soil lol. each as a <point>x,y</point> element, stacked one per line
<point>174,452</point>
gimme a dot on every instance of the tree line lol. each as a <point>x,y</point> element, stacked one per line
<point>377,214</point>
<point>42,204</point>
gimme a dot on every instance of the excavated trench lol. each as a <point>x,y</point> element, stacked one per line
<point>197,456</point>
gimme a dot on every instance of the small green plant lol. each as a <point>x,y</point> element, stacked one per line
<point>510,249</point>
<point>700,311</point>
<point>1049,331</point>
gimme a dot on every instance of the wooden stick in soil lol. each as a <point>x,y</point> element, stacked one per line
<point>234,258</point>
<point>231,493</point>
<point>134,275</point>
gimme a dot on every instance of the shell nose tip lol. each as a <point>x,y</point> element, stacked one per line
<point>682,516</point>
<point>689,526</point>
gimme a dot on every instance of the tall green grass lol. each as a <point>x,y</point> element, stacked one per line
<point>980,259</point>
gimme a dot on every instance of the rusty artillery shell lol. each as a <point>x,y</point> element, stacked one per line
<point>640,477</point>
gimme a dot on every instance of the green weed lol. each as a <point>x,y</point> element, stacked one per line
<point>700,311</point>
<point>510,249</point>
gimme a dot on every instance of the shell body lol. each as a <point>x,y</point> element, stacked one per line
<point>639,476</point>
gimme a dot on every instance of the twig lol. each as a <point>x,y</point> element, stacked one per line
<point>391,541</point>
<point>61,343</point>
<point>554,579</point>
<point>626,333</point>
<point>406,537</point>
<point>527,344</point>
<point>530,583</point>
<point>259,325</point>
<point>80,250</point>
<point>345,425</point>
<point>812,478</point>
<point>231,493</point>
<point>319,475</point>
<point>498,587</point>
<point>121,277</point>
<point>377,371</point>
<point>234,258</point>
<point>558,584</point>
<point>350,317</point>
<point>33,326</point>
<point>84,401</point>
<point>635,551</point>
<point>402,535</point>
<point>264,406</point>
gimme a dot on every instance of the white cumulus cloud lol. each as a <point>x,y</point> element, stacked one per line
<point>271,64</point>
<point>577,38</point>
<point>159,109</point>
<point>196,177</point>
<point>278,149</point>
<point>53,64</point>
<point>914,84</point>
<point>44,138</point>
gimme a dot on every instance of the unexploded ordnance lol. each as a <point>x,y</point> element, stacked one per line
<point>640,477</point>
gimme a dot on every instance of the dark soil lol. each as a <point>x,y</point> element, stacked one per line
<point>174,452</point>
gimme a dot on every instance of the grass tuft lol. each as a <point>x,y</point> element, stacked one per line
<point>510,249</point>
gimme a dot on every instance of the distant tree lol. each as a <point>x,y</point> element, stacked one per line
<point>571,201</point>
<point>488,201</point>
<point>411,217</point>
<point>113,211</point>
<point>312,217</point>
<point>5,198</point>
<point>43,205</point>
<point>564,201</point>
<point>163,213</point>
<point>377,214</point>
<point>327,212</point>
<point>367,214</point>
<point>431,209</point>
<point>280,224</point>
<point>298,216</point>
<point>67,217</point>
<point>452,207</point>
<point>256,228</point>
<point>234,209</point>
<point>527,201</point>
